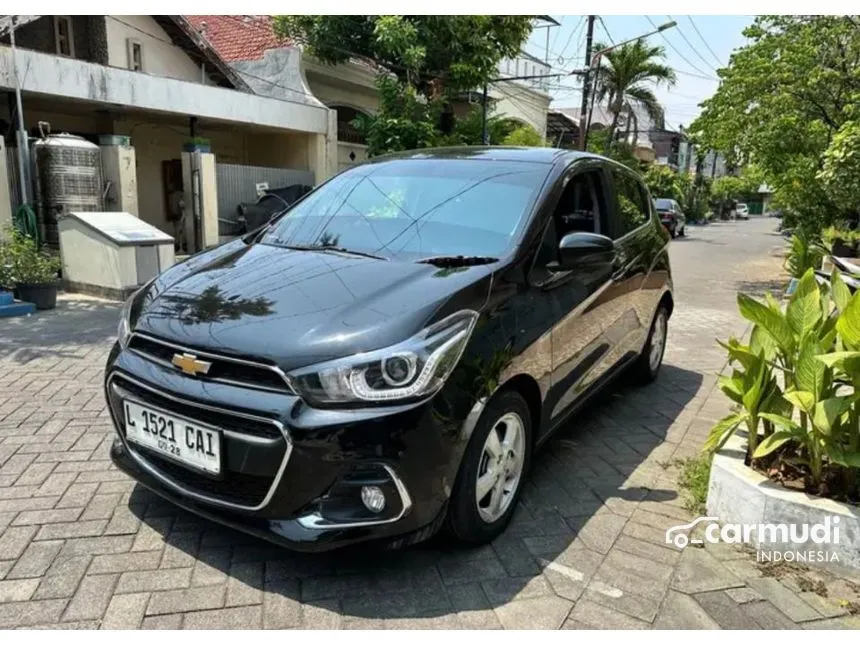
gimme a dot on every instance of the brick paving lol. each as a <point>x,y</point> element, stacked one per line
<point>81,546</point>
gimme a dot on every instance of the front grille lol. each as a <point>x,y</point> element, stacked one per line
<point>230,486</point>
<point>238,424</point>
<point>237,488</point>
<point>224,369</point>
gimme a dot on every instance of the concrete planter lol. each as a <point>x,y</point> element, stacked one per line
<point>738,494</point>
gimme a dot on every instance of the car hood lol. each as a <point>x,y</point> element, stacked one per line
<point>296,308</point>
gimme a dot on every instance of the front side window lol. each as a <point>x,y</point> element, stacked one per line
<point>417,208</point>
<point>632,205</point>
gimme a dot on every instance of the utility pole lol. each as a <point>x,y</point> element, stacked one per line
<point>23,142</point>
<point>589,39</point>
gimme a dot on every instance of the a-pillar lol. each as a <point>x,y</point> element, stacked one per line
<point>200,200</point>
<point>120,169</point>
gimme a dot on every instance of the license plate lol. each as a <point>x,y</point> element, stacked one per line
<point>176,438</point>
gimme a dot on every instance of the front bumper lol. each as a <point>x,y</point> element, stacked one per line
<point>291,473</point>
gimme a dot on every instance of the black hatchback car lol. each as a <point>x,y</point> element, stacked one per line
<point>381,360</point>
<point>671,215</point>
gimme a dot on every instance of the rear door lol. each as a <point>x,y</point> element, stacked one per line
<point>630,226</point>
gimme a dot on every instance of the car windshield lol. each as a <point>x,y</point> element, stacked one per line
<point>416,208</point>
<point>663,204</point>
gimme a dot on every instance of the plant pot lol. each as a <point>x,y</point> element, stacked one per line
<point>43,295</point>
<point>842,250</point>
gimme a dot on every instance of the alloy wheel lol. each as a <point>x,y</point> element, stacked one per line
<point>658,340</point>
<point>500,468</point>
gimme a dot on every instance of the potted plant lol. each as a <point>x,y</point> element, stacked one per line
<point>33,271</point>
<point>197,144</point>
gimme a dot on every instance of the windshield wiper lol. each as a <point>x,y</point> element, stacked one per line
<point>336,249</point>
<point>458,260</point>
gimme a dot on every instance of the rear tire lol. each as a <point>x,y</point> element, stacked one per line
<point>674,231</point>
<point>647,366</point>
<point>475,519</point>
<point>683,231</point>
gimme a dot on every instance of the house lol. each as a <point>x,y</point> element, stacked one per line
<point>275,67</point>
<point>144,88</point>
<point>563,130</point>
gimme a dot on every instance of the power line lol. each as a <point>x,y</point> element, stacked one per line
<point>558,31</point>
<point>574,30</point>
<point>717,58</point>
<point>695,51</point>
<point>606,30</point>
<point>677,51</point>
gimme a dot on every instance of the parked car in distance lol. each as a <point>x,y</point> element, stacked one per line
<point>382,360</point>
<point>671,216</point>
<point>742,211</point>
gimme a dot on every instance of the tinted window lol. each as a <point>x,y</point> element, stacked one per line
<point>416,208</point>
<point>664,204</point>
<point>633,210</point>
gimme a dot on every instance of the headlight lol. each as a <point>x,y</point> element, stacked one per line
<point>123,331</point>
<point>415,368</point>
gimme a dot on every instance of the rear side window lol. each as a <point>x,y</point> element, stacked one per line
<point>632,205</point>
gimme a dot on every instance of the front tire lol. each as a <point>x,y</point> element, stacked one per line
<point>491,474</point>
<point>647,366</point>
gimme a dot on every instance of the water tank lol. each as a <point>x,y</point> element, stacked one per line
<point>68,178</point>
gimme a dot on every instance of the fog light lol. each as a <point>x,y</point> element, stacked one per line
<point>373,498</point>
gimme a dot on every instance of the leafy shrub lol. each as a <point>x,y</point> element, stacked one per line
<point>22,262</point>
<point>796,382</point>
<point>804,253</point>
<point>523,135</point>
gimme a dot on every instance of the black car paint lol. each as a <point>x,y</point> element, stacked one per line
<point>555,338</point>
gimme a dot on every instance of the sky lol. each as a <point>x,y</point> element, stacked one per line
<point>686,51</point>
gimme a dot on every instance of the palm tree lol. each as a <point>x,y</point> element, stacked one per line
<point>624,78</point>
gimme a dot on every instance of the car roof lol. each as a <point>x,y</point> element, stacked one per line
<point>492,153</point>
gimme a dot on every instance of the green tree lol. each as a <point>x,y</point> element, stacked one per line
<point>662,181</point>
<point>782,100</point>
<point>622,152</point>
<point>841,168</point>
<point>625,79</point>
<point>468,129</point>
<point>423,61</point>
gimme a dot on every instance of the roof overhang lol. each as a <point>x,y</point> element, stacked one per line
<point>105,88</point>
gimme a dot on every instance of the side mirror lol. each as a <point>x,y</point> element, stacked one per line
<point>584,250</point>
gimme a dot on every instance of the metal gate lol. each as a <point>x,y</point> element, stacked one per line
<point>238,184</point>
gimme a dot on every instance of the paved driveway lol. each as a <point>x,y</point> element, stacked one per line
<point>82,546</point>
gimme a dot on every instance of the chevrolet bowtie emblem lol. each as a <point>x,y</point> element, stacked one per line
<point>190,364</point>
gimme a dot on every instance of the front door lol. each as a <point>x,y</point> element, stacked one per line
<point>577,335</point>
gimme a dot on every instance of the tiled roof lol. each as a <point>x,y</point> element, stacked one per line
<point>238,38</point>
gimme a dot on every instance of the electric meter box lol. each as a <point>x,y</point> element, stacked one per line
<point>111,254</point>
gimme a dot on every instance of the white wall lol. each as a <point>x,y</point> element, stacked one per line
<point>332,91</point>
<point>519,102</point>
<point>343,151</point>
<point>160,58</point>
